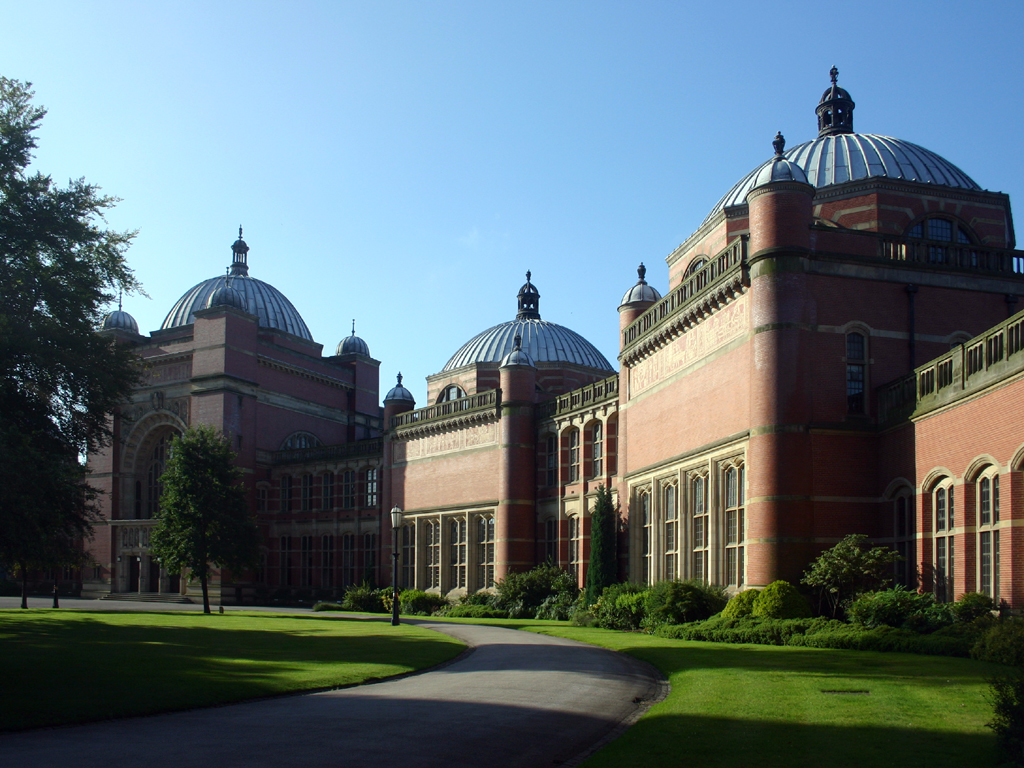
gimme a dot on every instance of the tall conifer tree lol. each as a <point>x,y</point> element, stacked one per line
<point>604,566</point>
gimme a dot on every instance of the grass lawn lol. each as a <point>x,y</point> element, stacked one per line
<point>756,705</point>
<point>61,666</point>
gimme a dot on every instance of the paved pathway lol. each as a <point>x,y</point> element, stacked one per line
<point>516,699</point>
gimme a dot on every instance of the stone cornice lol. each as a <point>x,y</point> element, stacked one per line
<point>294,370</point>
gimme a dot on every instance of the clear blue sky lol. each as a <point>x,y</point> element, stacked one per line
<point>404,164</point>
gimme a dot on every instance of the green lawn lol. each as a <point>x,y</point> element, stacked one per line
<point>755,705</point>
<point>65,666</point>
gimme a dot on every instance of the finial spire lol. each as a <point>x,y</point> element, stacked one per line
<point>399,379</point>
<point>120,294</point>
<point>518,343</point>
<point>779,143</point>
<point>527,275</point>
<point>834,74</point>
<point>641,272</point>
<point>353,326</point>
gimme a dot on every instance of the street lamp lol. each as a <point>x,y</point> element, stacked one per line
<point>396,523</point>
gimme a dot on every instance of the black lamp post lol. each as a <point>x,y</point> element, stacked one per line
<point>396,523</point>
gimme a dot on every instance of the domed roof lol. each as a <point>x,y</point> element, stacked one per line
<point>838,155</point>
<point>517,356</point>
<point>640,292</point>
<point>226,296</point>
<point>779,168</point>
<point>399,393</point>
<point>353,345</point>
<point>261,299</point>
<point>120,321</point>
<point>544,342</point>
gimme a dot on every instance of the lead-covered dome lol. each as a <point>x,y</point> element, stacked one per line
<point>542,341</point>
<point>119,320</point>
<point>641,292</point>
<point>399,393</point>
<point>261,299</point>
<point>838,155</point>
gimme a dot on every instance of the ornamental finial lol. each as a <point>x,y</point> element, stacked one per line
<point>353,326</point>
<point>527,275</point>
<point>120,294</point>
<point>641,272</point>
<point>399,379</point>
<point>517,345</point>
<point>834,74</point>
<point>779,143</point>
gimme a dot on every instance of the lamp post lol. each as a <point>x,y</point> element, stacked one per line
<point>396,523</point>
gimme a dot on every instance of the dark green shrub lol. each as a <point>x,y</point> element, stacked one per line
<point>1001,643</point>
<point>898,607</point>
<point>679,602</point>
<point>781,600</point>
<point>741,604</point>
<point>748,629</point>
<point>476,598</point>
<point>557,607</point>
<point>419,603</point>
<point>471,611</point>
<point>621,606</point>
<point>971,606</point>
<point>363,599</point>
<point>521,594</point>
<point>328,607</point>
<point>848,569</point>
<point>1008,716</point>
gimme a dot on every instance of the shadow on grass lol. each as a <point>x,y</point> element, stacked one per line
<point>80,667</point>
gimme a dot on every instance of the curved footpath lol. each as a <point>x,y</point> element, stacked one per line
<point>516,699</point>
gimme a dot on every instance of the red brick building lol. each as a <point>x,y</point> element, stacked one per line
<point>773,401</point>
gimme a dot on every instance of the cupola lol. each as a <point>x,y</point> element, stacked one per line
<point>641,292</point>
<point>529,301</point>
<point>517,356</point>
<point>398,393</point>
<point>119,320</point>
<point>240,257</point>
<point>835,110</point>
<point>353,345</point>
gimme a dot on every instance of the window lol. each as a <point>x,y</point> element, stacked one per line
<point>156,468</point>
<point>371,487</point>
<point>286,493</point>
<point>138,499</point>
<point>300,440</point>
<point>574,456</point>
<point>306,563</point>
<point>451,392</point>
<point>598,448</point>
<point>327,562</point>
<point>551,460</point>
<point>306,500</point>
<point>856,363</point>
<point>286,561</point>
<point>409,556</point>
<point>433,554</point>
<point>988,534</point>
<point>939,234</point>
<point>348,559</point>
<point>348,489</point>
<point>735,526</point>
<point>327,491</point>
<point>671,517</point>
<point>261,499</point>
<point>943,503</point>
<point>551,541</point>
<point>643,500</point>
<point>485,554</point>
<point>903,535</point>
<point>575,547</point>
<point>701,529</point>
<point>457,559</point>
<point>369,556</point>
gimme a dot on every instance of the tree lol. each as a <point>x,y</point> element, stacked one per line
<point>203,518</point>
<point>59,378</point>
<point>848,569</point>
<point>604,564</point>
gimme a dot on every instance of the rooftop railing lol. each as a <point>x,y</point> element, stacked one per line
<point>962,256</point>
<point>489,400</point>
<point>374,447</point>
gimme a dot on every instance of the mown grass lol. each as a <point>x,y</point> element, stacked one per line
<point>60,666</point>
<point>755,705</point>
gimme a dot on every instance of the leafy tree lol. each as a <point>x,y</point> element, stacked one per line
<point>849,569</point>
<point>59,378</point>
<point>203,518</point>
<point>604,565</point>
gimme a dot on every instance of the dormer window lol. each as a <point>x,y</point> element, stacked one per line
<point>451,392</point>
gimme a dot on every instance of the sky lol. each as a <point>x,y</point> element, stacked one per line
<point>404,164</point>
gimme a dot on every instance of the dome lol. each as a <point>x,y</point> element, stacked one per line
<point>399,393</point>
<point>353,345</point>
<point>839,155</point>
<point>780,168</point>
<point>542,341</point>
<point>120,321</point>
<point>226,296</point>
<point>641,291</point>
<point>258,298</point>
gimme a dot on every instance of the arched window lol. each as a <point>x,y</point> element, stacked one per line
<point>327,562</point>
<point>433,536</point>
<point>856,372</point>
<point>262,496</point>
<point>155,488</point>
<point>551,541</point>
<point>348,489</point>
<point>695,265</point>
<point>938,234</point>
<point>597,436</point>
<point>988,533</point>
<point>348,559</point>
<point>575,546</point>
<point>943,522</point>
<point>550,466</point>
<point>574,456</point>
<point>286,493</point>
<point>300,440</point>
<point>670,517</point>
<point>369,556</point>
<point>306,498</point>
<point>451,392</point>
<point>485,553</point>
<point>735,526</point>
<point>700,538</point>
<point>646,530</point>
<point>371,487</point>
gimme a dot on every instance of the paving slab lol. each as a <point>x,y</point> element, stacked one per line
<point>515,699</point>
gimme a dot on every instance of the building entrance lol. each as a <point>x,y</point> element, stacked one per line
<point>133,574</point>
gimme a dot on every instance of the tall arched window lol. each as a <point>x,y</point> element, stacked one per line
<point>371,487</point>
<point>348,489</point>
<point>597,437</point>
<point>327,491</point>
<point>574,456</point>
<point>643,501</point>
<point>551,461</point>
<point>735,526</point>
<point>409,556</point>
<point>575,546</point>
<point>670,517</point>
<point>433,536</point>
<point>451,392</point>
<point>988,533</point>
<point>700,538</point>
<point>856,370</point>
<point>944,522</point>
<point>457,561</point>
<point>154,488</point>
<point>306,499</point>
<point>286,493</point>
<point>551,541</point>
